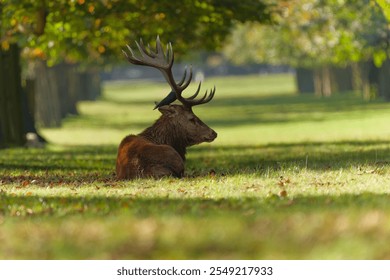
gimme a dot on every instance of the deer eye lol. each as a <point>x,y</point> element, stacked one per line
<point>193,120</point>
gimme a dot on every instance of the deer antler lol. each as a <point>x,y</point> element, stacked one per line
<point>164,62</point>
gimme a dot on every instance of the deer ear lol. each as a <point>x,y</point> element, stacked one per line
<point>168,110</point>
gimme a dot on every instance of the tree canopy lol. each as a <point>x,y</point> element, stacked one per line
<point>311,33</point>
<point>81,30</point>
<point>385,5</point>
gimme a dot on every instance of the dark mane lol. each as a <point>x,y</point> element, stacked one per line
<point>164,132</point>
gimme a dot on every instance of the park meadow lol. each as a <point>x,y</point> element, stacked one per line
<point>289,177</point>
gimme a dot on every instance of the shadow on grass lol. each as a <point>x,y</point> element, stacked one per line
<point>262,110</point>
<point>91,164</point>
<point>36,206</point>
<point>249,110</point>
<point>102,122</point>
<point>338,102</point>
<point>263,159</point>
<point>72,165</point>
<point>301,103</point>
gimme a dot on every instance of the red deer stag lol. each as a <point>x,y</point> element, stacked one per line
<point>160,150</point>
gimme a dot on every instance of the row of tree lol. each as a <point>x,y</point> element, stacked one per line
<point>46,95</point>
<point>334,45</point>
<point>58,42</point>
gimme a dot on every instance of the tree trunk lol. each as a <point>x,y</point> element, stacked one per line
<point>360,79</point>
<point>11,115</point>
<point>47,100</point>
<point>59,88</point>
<point>90,84</point>
<point>384,81</point>
<point>67,81</point>
<point>326,81</point>
<point>305,80</point>
<point>341,79</point>
<point>322,81</point>
<point>28,102</point>
<point>74,90</point>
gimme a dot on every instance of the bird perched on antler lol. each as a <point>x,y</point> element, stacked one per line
<point>171,97</point>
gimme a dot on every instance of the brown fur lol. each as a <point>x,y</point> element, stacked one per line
<point>160,149</point>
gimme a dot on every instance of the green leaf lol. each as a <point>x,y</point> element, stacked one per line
<point>385,5</point>
<point>379,57</point>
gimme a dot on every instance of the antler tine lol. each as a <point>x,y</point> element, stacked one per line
<point>196,92</point>
<point>159,48</point>
<point>211,95</point>
<point>143,51</point>
<point>183,78</point>
<point>190,102</point>
<point>131,58</point>
<point>151,52</point>
<point>206,98</point>
<point>166,59</point>
<point>130,50</point>
<point>200,101</point>
<point>184,83</point>
<point>148,57</point>
<point>170,55</point>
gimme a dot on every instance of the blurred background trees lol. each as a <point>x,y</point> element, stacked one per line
<point>334,45</point>
<point>52,52</point>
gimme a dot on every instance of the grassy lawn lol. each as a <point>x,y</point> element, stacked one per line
<point>289,177</point>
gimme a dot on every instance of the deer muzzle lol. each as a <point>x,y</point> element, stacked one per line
<point>211,136</point>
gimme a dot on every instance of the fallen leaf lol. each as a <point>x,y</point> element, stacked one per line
<point>283,193</point>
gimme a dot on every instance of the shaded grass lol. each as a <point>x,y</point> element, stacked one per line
<point>289,177</point>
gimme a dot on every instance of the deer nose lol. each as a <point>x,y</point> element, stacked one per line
<point>213,135</point>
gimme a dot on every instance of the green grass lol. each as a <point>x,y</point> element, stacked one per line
<point>289,177</point>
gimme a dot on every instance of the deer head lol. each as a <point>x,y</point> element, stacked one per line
<point>186,126</point>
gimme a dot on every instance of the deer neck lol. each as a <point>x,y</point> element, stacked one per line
<point>164,134</point>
